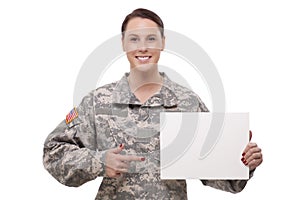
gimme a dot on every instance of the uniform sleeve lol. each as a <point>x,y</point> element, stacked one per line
<point>201,106</point>
<point>233,186</point>
<point>70,151</point>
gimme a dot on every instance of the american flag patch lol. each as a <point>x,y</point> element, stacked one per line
<point>72,115</point>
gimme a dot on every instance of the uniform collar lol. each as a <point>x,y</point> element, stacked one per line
<point>166,96</point>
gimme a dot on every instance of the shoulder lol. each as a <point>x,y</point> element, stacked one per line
<point>105,90</point>
<point>183,92</point>
<point>100,95</point>
<point>187,98</point>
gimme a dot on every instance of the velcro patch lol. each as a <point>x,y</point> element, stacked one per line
<point>73,114</point>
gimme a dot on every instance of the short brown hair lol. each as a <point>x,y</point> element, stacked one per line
<point>143,13</point>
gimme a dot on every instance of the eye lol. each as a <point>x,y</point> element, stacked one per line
<point>133,39</point>
<point>152,38</point>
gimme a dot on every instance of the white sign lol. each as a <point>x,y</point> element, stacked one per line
<point>203,145</point>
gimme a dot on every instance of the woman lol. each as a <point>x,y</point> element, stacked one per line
<point>114,132</point>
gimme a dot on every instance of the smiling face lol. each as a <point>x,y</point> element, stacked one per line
<point>142,42</point>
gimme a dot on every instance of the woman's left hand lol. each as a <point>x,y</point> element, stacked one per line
<point>252,155</point>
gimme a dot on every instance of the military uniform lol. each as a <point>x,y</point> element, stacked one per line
<point>74,152</point>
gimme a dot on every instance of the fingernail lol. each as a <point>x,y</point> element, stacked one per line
<point>142,159</point>
<point>121,145</point>
<point>244,161</point>
<point>243,154</point>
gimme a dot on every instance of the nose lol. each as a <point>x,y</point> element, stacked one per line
<point>142,47</point>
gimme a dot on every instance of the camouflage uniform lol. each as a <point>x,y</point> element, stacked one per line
<point>111,115</point>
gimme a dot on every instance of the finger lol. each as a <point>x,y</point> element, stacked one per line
<point>252,151</point>
<point>118,149</point>
<point>122,165</point>
<point>254,163</point>
<point>112,173</point>
<point>129,158</point>
<point>249,146</point>
<point>254,156</point>
<point>117,165</point>
<point>120,168</point>
<point>122,171</point>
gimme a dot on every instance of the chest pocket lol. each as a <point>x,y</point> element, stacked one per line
<point>105,129</point>
<point>135,126</point>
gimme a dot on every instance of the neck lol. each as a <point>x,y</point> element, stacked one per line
<point>144,76</point>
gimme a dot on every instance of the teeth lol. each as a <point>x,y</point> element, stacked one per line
<point>142,58</point>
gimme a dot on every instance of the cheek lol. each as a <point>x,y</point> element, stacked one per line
<point>156,54</point>
<point>130,56</point>
<point>130,47</point>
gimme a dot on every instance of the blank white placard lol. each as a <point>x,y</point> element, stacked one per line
<point>203,145</point>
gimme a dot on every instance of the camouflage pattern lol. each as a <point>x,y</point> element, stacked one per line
<point>74,153</point>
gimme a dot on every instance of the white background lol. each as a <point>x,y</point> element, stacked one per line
<point>254,44</point>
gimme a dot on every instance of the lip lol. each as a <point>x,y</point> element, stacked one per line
<point>143,58</point>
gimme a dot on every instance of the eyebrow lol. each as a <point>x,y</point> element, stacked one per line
<point>136,35</point>
<point>133,34</point>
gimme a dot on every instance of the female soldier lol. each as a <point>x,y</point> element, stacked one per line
<point>114,132</point>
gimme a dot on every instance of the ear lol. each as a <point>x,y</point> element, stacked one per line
<point>123,45</point>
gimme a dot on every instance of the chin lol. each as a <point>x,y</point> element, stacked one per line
<point>144,67</point>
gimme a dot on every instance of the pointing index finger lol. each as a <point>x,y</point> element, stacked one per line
<point>131,158</point>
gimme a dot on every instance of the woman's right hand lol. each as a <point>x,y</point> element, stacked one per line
<point>116,164</point>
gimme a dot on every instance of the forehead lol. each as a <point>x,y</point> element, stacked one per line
<point>141,26</point>
<point>143,32</point>
<point>140,23</point>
